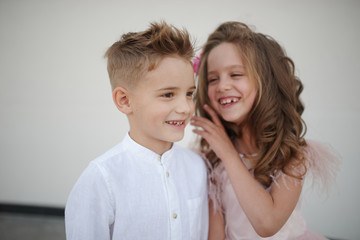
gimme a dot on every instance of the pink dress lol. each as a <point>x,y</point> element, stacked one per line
<point>322,166</point>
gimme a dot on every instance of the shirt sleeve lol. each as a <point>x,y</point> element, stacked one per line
<point>205,214</point>
<point>204,202</point>
<point>89,212</point>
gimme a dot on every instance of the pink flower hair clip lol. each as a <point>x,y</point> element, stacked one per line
<point>196,63</point>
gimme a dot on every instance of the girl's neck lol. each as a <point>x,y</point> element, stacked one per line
<point>246,143</point>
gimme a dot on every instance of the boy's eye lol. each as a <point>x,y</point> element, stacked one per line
<point>190,94</point>
<point>168,95</point>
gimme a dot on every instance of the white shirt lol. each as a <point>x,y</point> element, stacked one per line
<point>133,193</point>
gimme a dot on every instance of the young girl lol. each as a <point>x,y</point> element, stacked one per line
<point>252,136</point>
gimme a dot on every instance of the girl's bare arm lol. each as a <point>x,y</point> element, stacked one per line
<point>216,224</point>
<point>266,211</point>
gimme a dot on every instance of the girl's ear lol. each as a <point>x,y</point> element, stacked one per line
<point>121,100</point>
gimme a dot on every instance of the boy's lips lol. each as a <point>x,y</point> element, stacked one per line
<point>176,122</point>
<point>228,100</point>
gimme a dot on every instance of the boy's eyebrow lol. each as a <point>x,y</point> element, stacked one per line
<point>172,88</point>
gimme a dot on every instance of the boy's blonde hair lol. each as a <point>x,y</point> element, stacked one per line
<point>137,53</point>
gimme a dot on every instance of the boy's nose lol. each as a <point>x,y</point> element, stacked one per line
<point>185,106</point>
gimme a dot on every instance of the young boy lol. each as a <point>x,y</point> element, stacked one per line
<point>145,187</point>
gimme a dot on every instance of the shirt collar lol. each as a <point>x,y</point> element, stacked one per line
<point>142,152</point>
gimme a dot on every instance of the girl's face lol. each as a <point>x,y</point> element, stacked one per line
<point>230,90</point>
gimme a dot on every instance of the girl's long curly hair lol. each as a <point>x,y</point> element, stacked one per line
<point>275,117</point>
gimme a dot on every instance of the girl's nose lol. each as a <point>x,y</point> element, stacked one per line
<point>223,85</point>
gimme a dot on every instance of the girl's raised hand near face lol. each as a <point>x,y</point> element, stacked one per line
<point>214,133</point>
<point>267,211</point>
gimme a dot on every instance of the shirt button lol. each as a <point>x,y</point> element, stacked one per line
<point>174,215</point>
<point>167,174</point>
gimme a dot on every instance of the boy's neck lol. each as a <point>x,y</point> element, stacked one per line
<point>158,147</point>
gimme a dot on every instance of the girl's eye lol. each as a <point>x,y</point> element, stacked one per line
<point>237,75</point>
<point>168,95</point>
<point>210,80</point>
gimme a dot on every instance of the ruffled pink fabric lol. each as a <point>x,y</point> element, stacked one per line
<point>216,178</point>
<point>323,163</point>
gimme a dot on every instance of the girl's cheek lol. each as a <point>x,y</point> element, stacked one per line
<point>211,92</point>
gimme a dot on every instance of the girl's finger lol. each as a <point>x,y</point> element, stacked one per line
<point>201,133</point>
<point>202,120</point>
<point>205,135</point>
<point>213,115</point>
<point>205,124</point>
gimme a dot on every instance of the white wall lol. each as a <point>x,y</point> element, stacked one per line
<point>55,99</point>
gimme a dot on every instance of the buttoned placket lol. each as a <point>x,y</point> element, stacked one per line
<point>172,198</point>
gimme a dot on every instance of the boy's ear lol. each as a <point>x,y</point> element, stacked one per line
<point>121,100</point>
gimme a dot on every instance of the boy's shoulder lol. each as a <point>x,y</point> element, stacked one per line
<point>186,151</point>
<point>189,155</point>
<point>117,152</point>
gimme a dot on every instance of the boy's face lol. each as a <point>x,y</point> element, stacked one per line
<point>162,104</point>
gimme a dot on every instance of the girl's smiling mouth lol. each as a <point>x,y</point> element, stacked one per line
<point>228,100</point>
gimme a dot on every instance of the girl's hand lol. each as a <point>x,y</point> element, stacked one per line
<point>214,133</point>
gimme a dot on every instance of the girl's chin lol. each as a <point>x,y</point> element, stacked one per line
<point>232,119</point>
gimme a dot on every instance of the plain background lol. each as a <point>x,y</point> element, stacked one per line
<point>55,99</point>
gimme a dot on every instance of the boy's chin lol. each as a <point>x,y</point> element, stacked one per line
<point>176,138</point>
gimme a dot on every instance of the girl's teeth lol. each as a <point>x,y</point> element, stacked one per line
<point>226,101</point>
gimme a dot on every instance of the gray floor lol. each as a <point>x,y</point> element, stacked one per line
<point>31,227</point>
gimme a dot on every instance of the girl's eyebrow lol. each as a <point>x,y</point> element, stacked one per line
<point>241,67</point>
